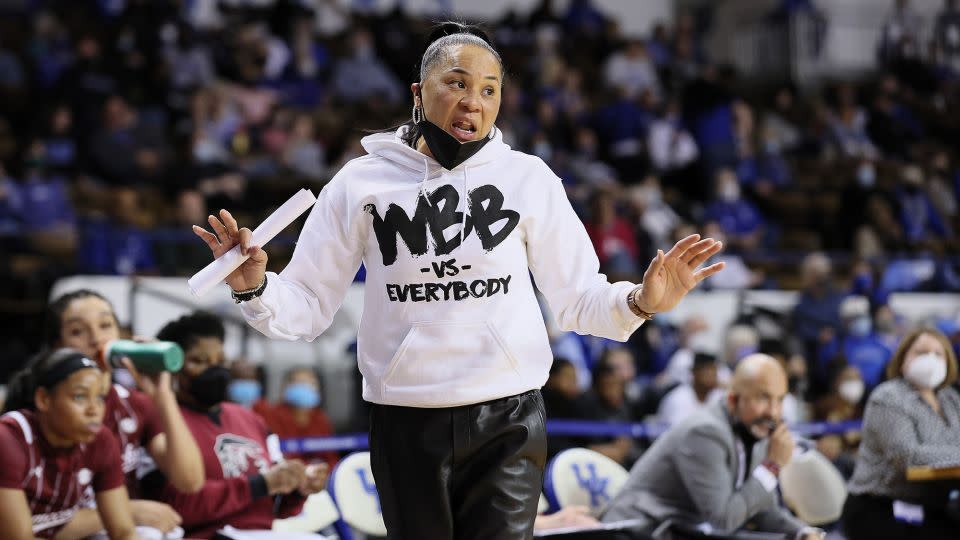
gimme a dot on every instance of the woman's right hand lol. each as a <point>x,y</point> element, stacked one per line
<point>249,274</point>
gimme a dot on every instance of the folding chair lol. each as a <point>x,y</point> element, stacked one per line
<point>355,495</point>
<point>813,488</point>
<point>318,513</point>
<point>579,476</point>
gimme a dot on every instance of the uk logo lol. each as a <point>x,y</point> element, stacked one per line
<point>593,484</point>
<point>369,487</point>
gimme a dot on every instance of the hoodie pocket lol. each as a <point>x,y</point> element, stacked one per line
<point>438,358</point>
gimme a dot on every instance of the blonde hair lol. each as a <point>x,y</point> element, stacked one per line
<point>895,365</point>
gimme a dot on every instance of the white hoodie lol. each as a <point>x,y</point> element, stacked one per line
<point>450,317</point>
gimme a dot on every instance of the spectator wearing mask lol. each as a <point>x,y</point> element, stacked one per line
<point>860,345</point>
<point>922,224</point>
<point>843,403</point>
<point>912,419</point>
<point>739,219</point>
<point>854,198</point>
<point>670,144</point>
<point>721,466</point>
<point>737,275</point>
<point>686,399</point>
<point>53,445</point>
<point>300,415</point>
<point>656,219</point>
<point>888,325</point>
<point>248,483</point>
<point>848,126</point>
<point>246,385</point>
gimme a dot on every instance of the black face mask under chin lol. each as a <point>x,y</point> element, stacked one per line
<point>446,149</point>
<point>210,387</point>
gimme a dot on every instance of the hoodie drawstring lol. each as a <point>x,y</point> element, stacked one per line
<point>463,225</point>
<point>463,197</point>
<point>423,183</point>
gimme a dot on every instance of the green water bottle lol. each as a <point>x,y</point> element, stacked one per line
<point>148,358</point>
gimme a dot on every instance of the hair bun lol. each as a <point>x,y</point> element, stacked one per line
<point>450,28</point>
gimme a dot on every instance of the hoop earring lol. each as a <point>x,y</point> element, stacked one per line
<point>417,114</point>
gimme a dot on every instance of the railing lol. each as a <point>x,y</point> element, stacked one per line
<point>137,287</point>
<point>783,257</point>
<point>577,428</point>
<point>809,48</point>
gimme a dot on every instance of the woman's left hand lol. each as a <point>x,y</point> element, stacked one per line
<point>673,274</point>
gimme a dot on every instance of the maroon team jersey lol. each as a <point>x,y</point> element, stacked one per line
<point>134,420</point>
<point>54,479</point>
<point>236,448</point>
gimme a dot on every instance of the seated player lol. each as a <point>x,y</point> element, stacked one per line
<point>53,445</point>
<point>248,483</point>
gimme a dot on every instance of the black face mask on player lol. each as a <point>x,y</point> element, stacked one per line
<point>446,149</point>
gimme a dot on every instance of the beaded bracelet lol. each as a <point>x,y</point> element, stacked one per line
<point>249,294</point>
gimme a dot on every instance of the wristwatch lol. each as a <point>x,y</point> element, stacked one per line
<point>634,308</point>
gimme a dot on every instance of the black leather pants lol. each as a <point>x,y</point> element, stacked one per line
<point>461,473</point>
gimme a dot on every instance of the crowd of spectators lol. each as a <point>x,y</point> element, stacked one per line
<point>123,122</point>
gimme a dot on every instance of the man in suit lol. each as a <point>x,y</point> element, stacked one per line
<point>720,466</point>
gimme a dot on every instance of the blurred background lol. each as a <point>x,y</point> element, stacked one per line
<point>817,139</point>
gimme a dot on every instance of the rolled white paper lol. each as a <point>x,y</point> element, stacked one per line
<point>218,270</point>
